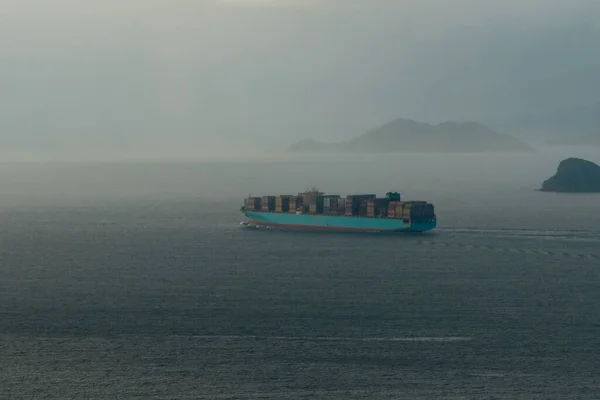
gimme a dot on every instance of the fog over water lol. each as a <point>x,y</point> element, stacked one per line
<point>412,174</point>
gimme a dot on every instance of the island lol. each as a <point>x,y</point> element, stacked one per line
<point>405,135</point>
<point>574,175</point>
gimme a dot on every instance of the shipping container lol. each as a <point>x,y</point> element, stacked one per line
<point>361,196</point>
<point>394,209</point>
<point>429,211</point>
<point>311,196</point>
<point>253,204</point>
<point>294,204</point>
<point>330,201</point>
<point>333,211</point>
<point>268,204</point>
<point>314,203</point>
<point>355,201</point>
<point>362,209</point>
<point>358,198</point>
<point>282,203</point>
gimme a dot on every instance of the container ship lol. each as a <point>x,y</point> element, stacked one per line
<point>314,210</point>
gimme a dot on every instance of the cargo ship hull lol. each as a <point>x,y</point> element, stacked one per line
<point>336,223</point>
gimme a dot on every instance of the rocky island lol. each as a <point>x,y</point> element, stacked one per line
<point>574,175</point>
<point>404,135</point>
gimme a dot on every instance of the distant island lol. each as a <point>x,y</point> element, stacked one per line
<point>574,175</point>
<point>404,135</point>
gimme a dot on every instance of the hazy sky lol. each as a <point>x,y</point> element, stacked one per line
<point>171,75</point>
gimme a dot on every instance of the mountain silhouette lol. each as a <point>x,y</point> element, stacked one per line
<point>405,135</point>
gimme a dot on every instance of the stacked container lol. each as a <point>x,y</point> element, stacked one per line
<point>429,212</point>
<point>370,208</point>
<point>416,210</point>
<point>253,204</point>
<point>406,211</point>
<point>358,203</point>
<point>331,204</point>
<point>319,205</point>
<point>398,210</point>
<point>381,207</point>
<point>391,211</point>
<point>278,207</point>
<point>268,204</point>
<point>348,208</point>
<point>315,204</point>
<point>341,207</point>
<point>363,205</point>
<point>399,206</point>
<point>310,200</point>
<point>362,211</point>
<point>422,210</point>
<point>331,201</point>
<point>282,203</point>
<point>294,204</point>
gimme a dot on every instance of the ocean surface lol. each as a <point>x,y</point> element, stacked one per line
<point>126,282</point>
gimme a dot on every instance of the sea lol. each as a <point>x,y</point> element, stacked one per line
<point>136,281</point>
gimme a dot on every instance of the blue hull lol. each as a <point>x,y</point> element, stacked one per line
<point>336,223</point>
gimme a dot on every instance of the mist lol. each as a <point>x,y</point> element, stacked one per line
<point>179,80</point>
<point>450,181</point>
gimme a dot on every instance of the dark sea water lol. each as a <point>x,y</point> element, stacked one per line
<point>158,293</point>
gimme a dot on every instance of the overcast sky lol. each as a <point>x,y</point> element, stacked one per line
<point>166,74</point>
